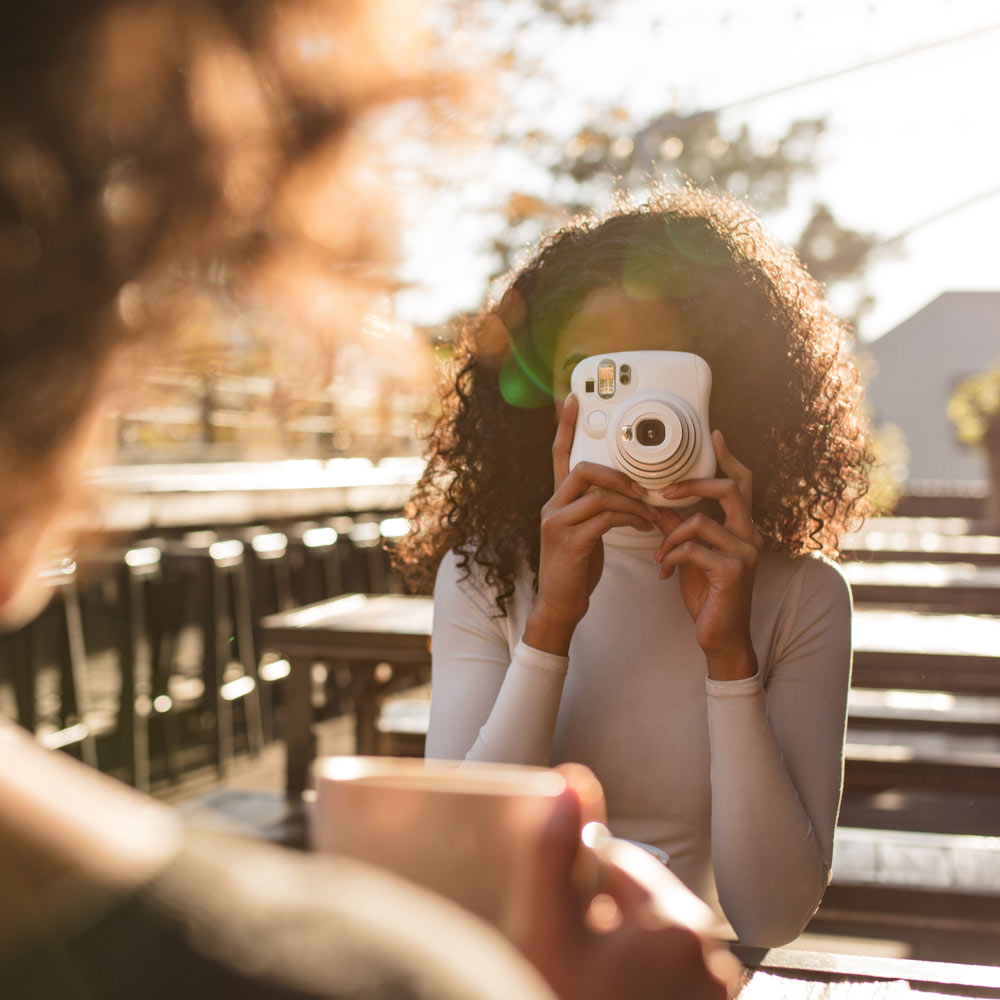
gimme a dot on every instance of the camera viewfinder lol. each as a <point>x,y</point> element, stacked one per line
<point>606,379</point>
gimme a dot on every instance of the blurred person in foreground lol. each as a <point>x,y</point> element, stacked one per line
<point>152,155</point>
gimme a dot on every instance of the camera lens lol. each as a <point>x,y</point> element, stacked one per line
<point>650,432</point>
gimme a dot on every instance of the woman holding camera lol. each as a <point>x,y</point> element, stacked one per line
<point>695,657</point>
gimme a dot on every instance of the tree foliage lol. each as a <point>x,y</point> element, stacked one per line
<point>974,409</point>
<point>613,151</point>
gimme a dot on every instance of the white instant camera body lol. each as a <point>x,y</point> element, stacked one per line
<point>646,413</point>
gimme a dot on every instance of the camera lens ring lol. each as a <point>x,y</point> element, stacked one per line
<point>680,444</point>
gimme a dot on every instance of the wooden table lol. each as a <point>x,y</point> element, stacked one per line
<point>362,630</point>
<point>790,974</point>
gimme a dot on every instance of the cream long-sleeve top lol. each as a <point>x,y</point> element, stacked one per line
<point>738,781</point>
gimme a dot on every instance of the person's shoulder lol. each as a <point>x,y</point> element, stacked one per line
<point>460,579</point>
<point>463,581</point>
<point>813,566</point>
<point>453,577</point>
<point>812,576</point>
<point>810,601</point>
<point>448,569</point>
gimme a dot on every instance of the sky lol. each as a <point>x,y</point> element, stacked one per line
<point>907,139</point>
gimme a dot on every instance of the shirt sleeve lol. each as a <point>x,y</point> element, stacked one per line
<point>487,704</point>
<point>777,744</point>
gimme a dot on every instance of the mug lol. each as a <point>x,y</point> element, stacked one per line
<point>464,831</point>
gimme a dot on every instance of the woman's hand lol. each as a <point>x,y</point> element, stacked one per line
<point>586,503</point>
<point>717,563</point>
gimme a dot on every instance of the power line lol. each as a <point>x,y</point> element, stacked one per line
<point>881,60</point>
<point>942,214</point>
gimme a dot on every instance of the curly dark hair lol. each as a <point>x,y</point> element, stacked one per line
<point>785,388</point>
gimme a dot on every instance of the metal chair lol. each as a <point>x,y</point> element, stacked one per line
<point>206,589</point>
<point>48,661</point>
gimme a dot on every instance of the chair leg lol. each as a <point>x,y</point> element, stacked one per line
<point>164,618</point>
<point>256,710</point>
<point>298,719</point>
<point>376,570</point>
<point>333,573</point>
<point>78,668</point>
<point>217,630</point>
<point>127,722</point>
<point>140,668</point>
<point>24,680</point>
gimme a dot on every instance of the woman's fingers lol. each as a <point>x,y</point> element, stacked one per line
<point>734,493</point>
<point>726,491</point>
<point>571,484</point>
<point>586,532</point>
<point>714,564</point>
<point>704,529</point>
<point>585,475</point>
<point>562,444</point>
<point>594,502</point>
<point>732,466</point>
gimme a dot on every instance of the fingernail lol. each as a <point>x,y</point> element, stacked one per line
<point>638,490</point>
<point>668,491</point>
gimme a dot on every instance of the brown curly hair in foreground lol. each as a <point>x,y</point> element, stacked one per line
<point>785,391</point>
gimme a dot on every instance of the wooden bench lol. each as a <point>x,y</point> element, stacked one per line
<point>948,764</point>
<point>921,540</point>
<point>910,650</point>
<point>926,742</point>
<point>936,586</point>
<point>915,711</point>
<point>938,892</point>
<point>402,723</point>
